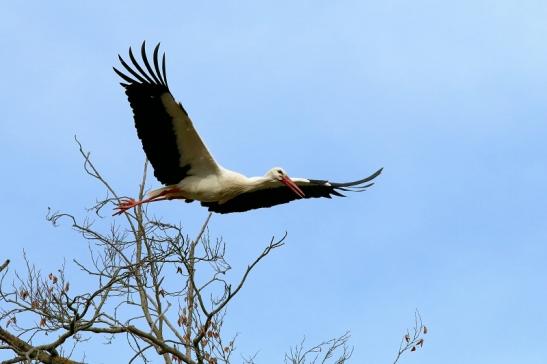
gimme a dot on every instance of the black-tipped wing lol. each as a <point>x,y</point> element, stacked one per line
<point>280,194</point>
<point>168,137</point>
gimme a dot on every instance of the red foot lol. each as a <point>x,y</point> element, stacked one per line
<point>126,204</point>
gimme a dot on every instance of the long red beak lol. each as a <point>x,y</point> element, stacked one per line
<point>293,186</point>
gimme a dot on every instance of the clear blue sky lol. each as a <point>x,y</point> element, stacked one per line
<point>448,96</point>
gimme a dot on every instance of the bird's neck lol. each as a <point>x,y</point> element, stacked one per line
<point>259,182</point>
<point>238,183</point>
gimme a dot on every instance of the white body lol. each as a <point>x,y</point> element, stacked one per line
<point>220,187</point>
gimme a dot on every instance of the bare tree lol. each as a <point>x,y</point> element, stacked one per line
<point>165,293</point>
<point>337,351</point>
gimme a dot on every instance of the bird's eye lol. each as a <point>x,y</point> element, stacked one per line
<point>279,171</point>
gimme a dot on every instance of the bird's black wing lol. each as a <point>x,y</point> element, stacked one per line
<point>168,137</point>
<point>280,194</point>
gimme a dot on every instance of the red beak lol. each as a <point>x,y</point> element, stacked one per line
<point>293,186</point>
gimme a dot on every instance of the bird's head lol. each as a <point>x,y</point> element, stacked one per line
<point>279,174</point>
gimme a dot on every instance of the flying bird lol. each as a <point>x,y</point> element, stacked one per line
<point>184,165</point>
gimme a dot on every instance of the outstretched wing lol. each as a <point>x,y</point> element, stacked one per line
<point>168,137</point>
<point>280,194</point>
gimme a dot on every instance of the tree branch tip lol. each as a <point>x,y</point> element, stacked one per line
<point>78,142</point>
<point>4,265</point>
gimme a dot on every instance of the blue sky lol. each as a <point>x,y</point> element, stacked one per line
<point>449,97</point>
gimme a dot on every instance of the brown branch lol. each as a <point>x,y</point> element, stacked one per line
<point>26,351</point>
<point>151,339</point>
<point>139,232</point>
<point>201,333</point>
<point>190,266</point>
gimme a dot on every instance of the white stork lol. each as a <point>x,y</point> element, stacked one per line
<point>183,164</point>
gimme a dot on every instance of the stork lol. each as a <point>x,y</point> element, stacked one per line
<point>184,165</point>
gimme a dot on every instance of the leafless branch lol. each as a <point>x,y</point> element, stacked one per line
<point>135,298</point>
<point>413,338</point>
<point>335,350</point>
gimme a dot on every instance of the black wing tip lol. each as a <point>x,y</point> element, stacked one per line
<point>147,75</point>
<point>358,186</point>
<point>375,174</point>
<point>366,179</point>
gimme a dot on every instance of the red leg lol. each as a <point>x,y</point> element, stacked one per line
<point>128,203</point>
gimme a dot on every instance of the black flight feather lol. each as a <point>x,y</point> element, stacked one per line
<point>154,125</point>
<point>156,65</point>
<point>138,67</point>
<point>147,64</point>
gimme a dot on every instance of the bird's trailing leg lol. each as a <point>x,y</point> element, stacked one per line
<point>129,203</point>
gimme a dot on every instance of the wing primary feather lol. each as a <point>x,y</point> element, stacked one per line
<point>130,70</point>
<point>163,69</point>
<point>344,189</point>
<point>349,184</point>
<point>355,189</point>
<point>124,76</point>
<point>147,64</point>
<point>138,67</point>
<point>156,65</point>
<point>362,188</point>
